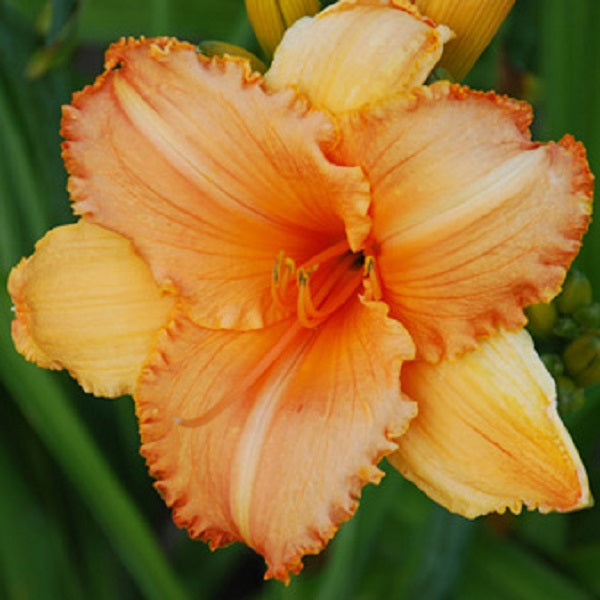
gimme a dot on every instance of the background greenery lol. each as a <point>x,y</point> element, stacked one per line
<point>78,515</point>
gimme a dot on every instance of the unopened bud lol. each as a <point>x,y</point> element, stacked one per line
<point>473,21</point>
<point>566,327</point>
<point>215,48</point>
<point>588,316</point>
<point>541,319</point>
<point>576,293</point>
<point>570,396</point>
<point>554,364</point>
<point>270,19</point>
<point>582,360</point>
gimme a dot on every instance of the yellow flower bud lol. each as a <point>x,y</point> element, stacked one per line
<point>582,360</point>
<point>576,293</point>
<point>270,19</point>
<point>215,48</point>
<point>473,21</point>
<point>541,319</point>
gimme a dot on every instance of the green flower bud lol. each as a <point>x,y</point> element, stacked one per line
<point>570,397</point>
<point>576,293</point>
<point>554,364</point>
<point>582,360</point>
<point>541,319</point>
<point>566,327</point>
<point>588,316</point>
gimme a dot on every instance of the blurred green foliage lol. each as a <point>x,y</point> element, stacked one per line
<point>78,515</point>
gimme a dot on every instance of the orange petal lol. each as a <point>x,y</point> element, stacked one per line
<point>488,436</point>
<point>285,427</point>
<point>472,219</point>
<point>474,21</point>
<point>208,175</point>
<point>86,302</point>
<point>357,51</point>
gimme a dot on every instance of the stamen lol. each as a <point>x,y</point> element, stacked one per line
<point>306,310</point>
<point>283,269</point>
<point>370,273</point>
<point>310,316</point>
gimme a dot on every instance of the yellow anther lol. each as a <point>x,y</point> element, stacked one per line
<point>283,269</point>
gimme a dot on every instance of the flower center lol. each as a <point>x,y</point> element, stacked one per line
<point>323,283</point>
<point>315,290</point>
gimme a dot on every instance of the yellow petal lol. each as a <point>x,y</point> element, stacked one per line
<point>472,220</point>
<point>292,423</point>
<point>86,302</point>
<point>208,175</point>
<point>488,436</point>
<point>357,51</point>
<point>270,19</point>
<point>473,21</point>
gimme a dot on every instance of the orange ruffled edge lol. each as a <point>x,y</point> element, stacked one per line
<point>417,241</point>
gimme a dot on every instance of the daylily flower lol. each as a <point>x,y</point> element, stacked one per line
<point>299,274</point>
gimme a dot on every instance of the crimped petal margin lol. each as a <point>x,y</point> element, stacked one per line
<point>295,421</point>
<point>86,302</point>
<point>208,175</point>
<point>471,219</point>
<point>356,52</point>
<point>488,436</point>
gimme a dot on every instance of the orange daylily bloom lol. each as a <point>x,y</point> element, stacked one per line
<point>303,273</point>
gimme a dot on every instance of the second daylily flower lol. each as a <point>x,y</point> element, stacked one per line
<point>290,272</point>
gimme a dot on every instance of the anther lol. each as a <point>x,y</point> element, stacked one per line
<point>370,274</point>
<point>283,269</point>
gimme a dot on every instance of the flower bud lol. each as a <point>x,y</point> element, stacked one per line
<point>588,316</point>
<point>215,48</point>
<point>570,397</point>
<point>270,19</point>
<point>576,293</point>
<point>473,21</point>
<point>554,364</point>
<point>541,319</point>
<point>567,328</point>
<point>582,360</point>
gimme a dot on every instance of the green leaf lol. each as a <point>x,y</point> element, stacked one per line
<point>43,403</point>
<point>570,55</point>
<point>498,569</point>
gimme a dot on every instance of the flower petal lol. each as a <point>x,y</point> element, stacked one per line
<point>282,427</point>
<point>357,51</point>
<point>488,436</point>
<point>86,302</point>
<point>474,21</point>
<point>473,220</point>
<point>270,19</point>
<point>208,175</point>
